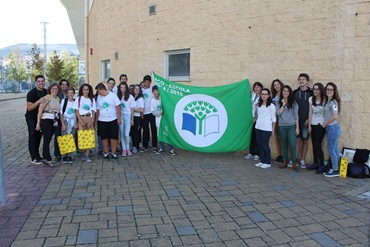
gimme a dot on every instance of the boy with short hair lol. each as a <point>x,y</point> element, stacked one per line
<point>68,119</point>
<point>156,109</point>
<point>148,116</point>
<point>109,118</point>
<point>301,96</point>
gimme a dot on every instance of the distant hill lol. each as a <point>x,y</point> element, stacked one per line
<point>24,48</point>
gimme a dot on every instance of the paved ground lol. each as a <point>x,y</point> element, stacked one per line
<point>192,199</point>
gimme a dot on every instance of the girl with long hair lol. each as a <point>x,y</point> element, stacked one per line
<point>265,117</point>
<point>316,119</point>
<point>287,112</point>
<point>85,109</point>
<point>138,118</point>
<point>276,87</point>
<point>331,113</point>
<point>127,117</point>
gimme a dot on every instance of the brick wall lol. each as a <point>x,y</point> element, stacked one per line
<point>233,40</point>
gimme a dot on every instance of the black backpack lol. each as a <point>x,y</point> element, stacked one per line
<point>358,168</point>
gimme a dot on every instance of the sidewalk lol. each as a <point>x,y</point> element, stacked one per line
<point>192,199</point>
<point>10,96</point>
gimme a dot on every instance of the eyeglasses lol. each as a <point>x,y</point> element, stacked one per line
<point>330,89</point>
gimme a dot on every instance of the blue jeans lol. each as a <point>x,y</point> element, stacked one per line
<point>332,136</point>
<point>288,140</point>
<point>263,138</point>
<point>124,129</point>
<point>161,145</point>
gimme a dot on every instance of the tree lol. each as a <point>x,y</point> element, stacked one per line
<point>55,68</point>
<point>17,67</point>
<point>200,109</point>
<point>37,61</point>
<point>70,69</point>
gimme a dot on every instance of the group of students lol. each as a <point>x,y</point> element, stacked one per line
<point>298,114</point>
<point>113,111</point>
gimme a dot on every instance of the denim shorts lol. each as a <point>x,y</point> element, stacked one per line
<point>303,130</point>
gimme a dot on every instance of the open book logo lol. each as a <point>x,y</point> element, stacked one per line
<point>201,120</point>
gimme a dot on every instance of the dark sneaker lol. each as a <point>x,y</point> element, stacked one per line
<point>312,167</point>
<point>36,162</point>
<point>331,174</point>
<point>106,156</point>
<point>279,159</point>
<point>155,150</point>
<point>172,152</point>
<point>320,170</point>
<point>64,160</point>
<point>160,151</point>
<point>114,156</point>
<point>70,160</point>
<point>143,149</point>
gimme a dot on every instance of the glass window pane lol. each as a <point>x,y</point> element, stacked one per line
<point>179,64</point>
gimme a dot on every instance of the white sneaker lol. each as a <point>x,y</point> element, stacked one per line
<point>259,164</point>
<point>249,156</point>
<point>265,166</point>
<point>302,164</point>
<point>256,157</point>
<point>290,164</point>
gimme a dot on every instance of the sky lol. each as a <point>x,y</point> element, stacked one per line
<point>20,22</point>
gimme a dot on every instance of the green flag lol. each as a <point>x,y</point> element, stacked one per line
<point>205,119</point>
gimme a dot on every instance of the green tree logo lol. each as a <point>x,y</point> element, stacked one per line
<point>200,109</point>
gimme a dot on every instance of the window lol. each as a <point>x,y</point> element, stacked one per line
<point>105,70</point>
<point>177,65</point>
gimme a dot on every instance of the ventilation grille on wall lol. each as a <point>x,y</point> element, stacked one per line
<point>152,9</point>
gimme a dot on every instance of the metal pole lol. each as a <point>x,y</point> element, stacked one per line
<point>2,180</point>
<point>45,55</point>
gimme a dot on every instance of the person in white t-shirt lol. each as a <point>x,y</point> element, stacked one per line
<point>315,129</point>
<point>109,119</point>
<point>157,111</point>
<point>127,117</point>
<point>149,118</point>
<point>85,109</point>
<point>68,119</point>
<point>138,118</point>
<point>265,117</point>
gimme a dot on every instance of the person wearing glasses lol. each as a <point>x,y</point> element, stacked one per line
<point>265,118</point>
<point>331,113</point>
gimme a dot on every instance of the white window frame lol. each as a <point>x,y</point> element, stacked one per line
<point>167,55</point>
<point>105,64</point>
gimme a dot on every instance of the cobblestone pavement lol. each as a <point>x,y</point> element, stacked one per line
<point>191,199</point>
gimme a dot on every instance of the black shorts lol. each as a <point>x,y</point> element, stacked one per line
<point>108,130</point>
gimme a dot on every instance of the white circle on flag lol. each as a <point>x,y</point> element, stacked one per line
<point>201,120</point>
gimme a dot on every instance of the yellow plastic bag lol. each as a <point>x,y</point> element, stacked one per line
<point>343,167</point>
<point>66,144</point>
<point>86,139</point>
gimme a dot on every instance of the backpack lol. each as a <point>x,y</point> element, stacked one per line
<point>358,168</point>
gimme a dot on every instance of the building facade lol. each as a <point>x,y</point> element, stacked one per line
<point>206,43</point>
